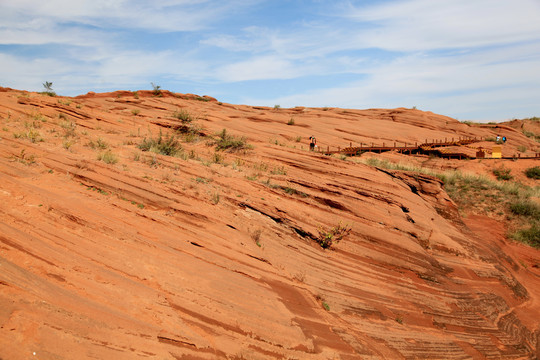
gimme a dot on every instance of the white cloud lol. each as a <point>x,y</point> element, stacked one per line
<point>106,71</point>
<point>53,35</point>
<point>412,25</point>
<point>408,52</point>
<point>29,74</point>
<point>467,85</point>
<point>260,68</point>
<point>153,16</point>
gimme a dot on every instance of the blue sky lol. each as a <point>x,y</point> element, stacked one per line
<point>469,59</point>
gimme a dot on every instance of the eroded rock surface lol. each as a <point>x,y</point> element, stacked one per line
<point>198,257</point>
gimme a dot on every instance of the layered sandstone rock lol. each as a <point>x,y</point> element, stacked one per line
<point>184,257</point>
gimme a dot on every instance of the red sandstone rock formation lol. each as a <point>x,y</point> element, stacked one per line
<point>160,257</point>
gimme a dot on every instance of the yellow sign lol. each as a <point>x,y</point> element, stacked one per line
<point>496,152</point>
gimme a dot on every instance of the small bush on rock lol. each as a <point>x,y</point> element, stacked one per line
<point>229,142</point>
<point>167,145</point>
<point>529,236</point>
<point>327,237</point>
<point>525,208</point>
<point>502,173</point>
<point>533,173</point>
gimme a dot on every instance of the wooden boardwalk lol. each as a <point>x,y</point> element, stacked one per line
<point>435,147</point>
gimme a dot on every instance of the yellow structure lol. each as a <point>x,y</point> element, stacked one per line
<point>496,152</point>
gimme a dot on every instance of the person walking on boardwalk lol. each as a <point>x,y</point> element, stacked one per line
<point>313,143</point>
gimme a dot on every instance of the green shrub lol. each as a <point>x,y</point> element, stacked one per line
<point>98,144</point>
<point>32,134</point>
<point>229,142</point>
<point>256,236</point>
<point>326,306</point>
<point>168,145</point>
<point>67,144</point>
<point>217,158</point>
<point>533,173</point>
<point>279,171</point>
<point>156,89</point>
<point>48,89</point>
<point>531,135</point>
<point>291,121</point>
<point>108,157</point>
<point>69,128</point>
<point>502,173</point>
<point>292,191</point>
<point>184,116</point>
<point>202,180</point>
<point>327,237</point>
<point>529,236</point>
<point>522,148</point>
<point>187,120</point>
<point>525,208</point>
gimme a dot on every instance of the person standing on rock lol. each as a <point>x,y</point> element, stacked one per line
<point>313,143</point>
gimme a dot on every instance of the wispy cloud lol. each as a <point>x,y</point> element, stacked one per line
<point>320,53</point>
<point>413,25</point>
<point>157,16</point>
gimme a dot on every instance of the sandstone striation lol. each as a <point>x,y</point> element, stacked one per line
<point>211,255</point>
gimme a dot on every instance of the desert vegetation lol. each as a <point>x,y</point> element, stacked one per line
<point>98,144</point>
<point>228,142</point>
<point>332,235</point>
<point>108,157</point>
<point>165,145</point>
<point>502,199</point>
<point>31,133</point>
<point>47,85</point>
<point>256,236</point>
<point>502,173</point>
<point>156,90</point>
<point>533,173</point>
<point>188,126</point>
